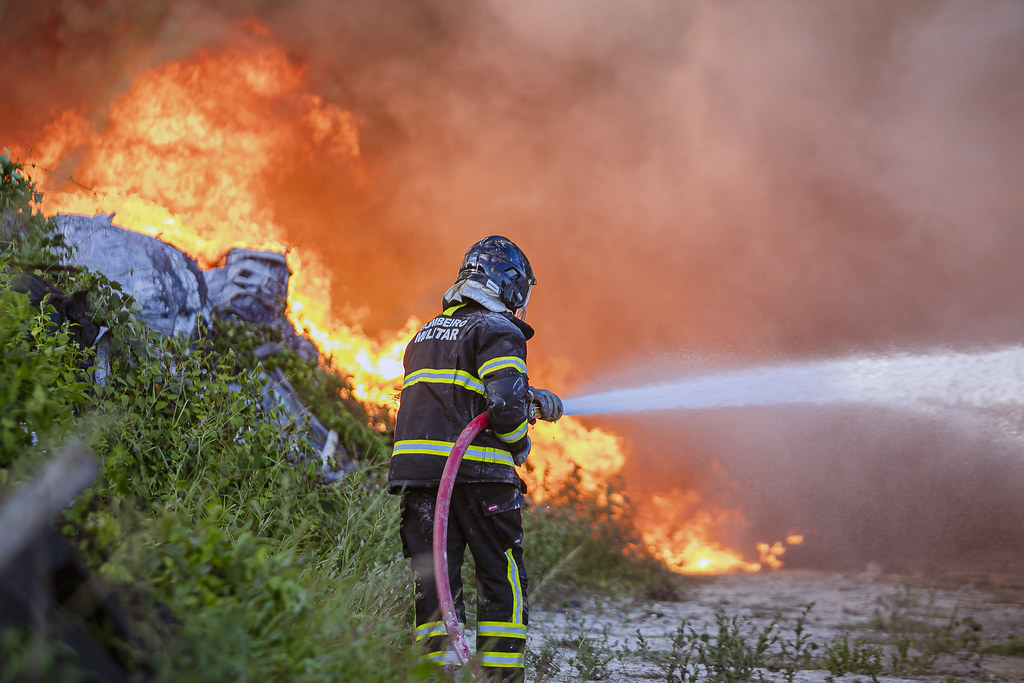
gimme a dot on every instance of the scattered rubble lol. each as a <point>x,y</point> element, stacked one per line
<point>253,286</point>
<point>176,297</point>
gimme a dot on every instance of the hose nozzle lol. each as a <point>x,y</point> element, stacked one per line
<point>536,413</point>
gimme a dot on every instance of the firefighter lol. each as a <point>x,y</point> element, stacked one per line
<point>472,358</point>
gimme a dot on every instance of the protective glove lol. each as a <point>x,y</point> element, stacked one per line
<point>549,405</point>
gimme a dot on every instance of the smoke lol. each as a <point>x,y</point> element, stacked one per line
<point>864,486</point>
<point>738,181</point>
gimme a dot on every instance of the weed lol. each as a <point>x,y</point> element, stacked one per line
<point>591,655</point>
<point>1012,648</point>
<point>544,662</point>
<point>919,633</point>
<point>728,656</point>
<point>796,654</point>
<point>840,658</point>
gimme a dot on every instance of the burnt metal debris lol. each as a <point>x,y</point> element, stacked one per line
<point>253,286</point>
<point>167,284</point>
<point>176,297</point>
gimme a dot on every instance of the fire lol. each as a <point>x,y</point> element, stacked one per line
<point>185,154</point>
<point>566,448</point>
<point>684,547</point>
<point>184,157</point>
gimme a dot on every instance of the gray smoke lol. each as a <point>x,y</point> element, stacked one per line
<point>741,182</point>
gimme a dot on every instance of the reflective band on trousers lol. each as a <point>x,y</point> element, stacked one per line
<point>517,588</point>
<point>506,659</point>
<point>500,629</point>
<point>432,629</point>
<point>444,448</point>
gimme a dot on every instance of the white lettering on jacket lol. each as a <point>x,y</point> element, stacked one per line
<point>441,328</point>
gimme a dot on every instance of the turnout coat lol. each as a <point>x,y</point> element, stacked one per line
<point>465,361</point>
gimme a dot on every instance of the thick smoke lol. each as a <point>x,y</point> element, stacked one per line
<point>734,181</point>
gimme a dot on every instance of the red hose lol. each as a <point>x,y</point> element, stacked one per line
<point>441,509</point>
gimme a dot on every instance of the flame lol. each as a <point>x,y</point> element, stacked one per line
<point>686,548</point>
<point>184,155</point>
<point>566,452</point>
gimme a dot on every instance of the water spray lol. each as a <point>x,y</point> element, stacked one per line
<point>921,383</point>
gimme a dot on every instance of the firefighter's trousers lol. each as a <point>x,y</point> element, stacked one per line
<point>487,518</point>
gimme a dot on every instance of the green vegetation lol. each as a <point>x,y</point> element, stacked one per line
<point>1012,648</point>
<point>841,657</point>
<point>920,632</point>
<point>229,559</point>
<point>210,523</point>
<point>733,654</point>
<point>745,646</point>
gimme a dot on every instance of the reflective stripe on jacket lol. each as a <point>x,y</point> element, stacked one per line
<point>465,361</point>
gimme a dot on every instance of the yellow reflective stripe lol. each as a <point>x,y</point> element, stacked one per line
<point>517,588</point>
<point>513,362</point>
<point>444,448</point>
<point>500,629</point>
<point>452,309</point>
<point>507,659</point>
<point>456,377</point>
<point>442,658</point>
<point>431,629</point>
<point>516,434</point>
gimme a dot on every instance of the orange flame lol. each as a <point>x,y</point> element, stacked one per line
<point>566,448</point>
<point>182,156</point>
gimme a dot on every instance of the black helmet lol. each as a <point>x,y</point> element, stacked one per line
<point>501,267</point>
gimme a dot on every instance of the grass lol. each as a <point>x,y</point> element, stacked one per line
<point>1014,647</point>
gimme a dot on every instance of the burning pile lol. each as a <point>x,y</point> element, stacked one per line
<point>191,151</point>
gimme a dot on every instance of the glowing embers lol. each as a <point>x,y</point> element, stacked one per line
<point>770,554</point>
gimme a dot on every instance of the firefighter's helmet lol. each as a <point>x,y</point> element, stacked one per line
<point>496,263</point>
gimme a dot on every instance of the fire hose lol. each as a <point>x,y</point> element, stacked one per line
<point>441,509</point>
<point>440,537</point>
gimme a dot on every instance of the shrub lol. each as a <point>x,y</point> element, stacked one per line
<point>41,381</point>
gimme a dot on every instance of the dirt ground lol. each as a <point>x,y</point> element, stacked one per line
<point>631,640</point>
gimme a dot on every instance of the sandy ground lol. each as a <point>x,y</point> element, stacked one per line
<point>843,604</point>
